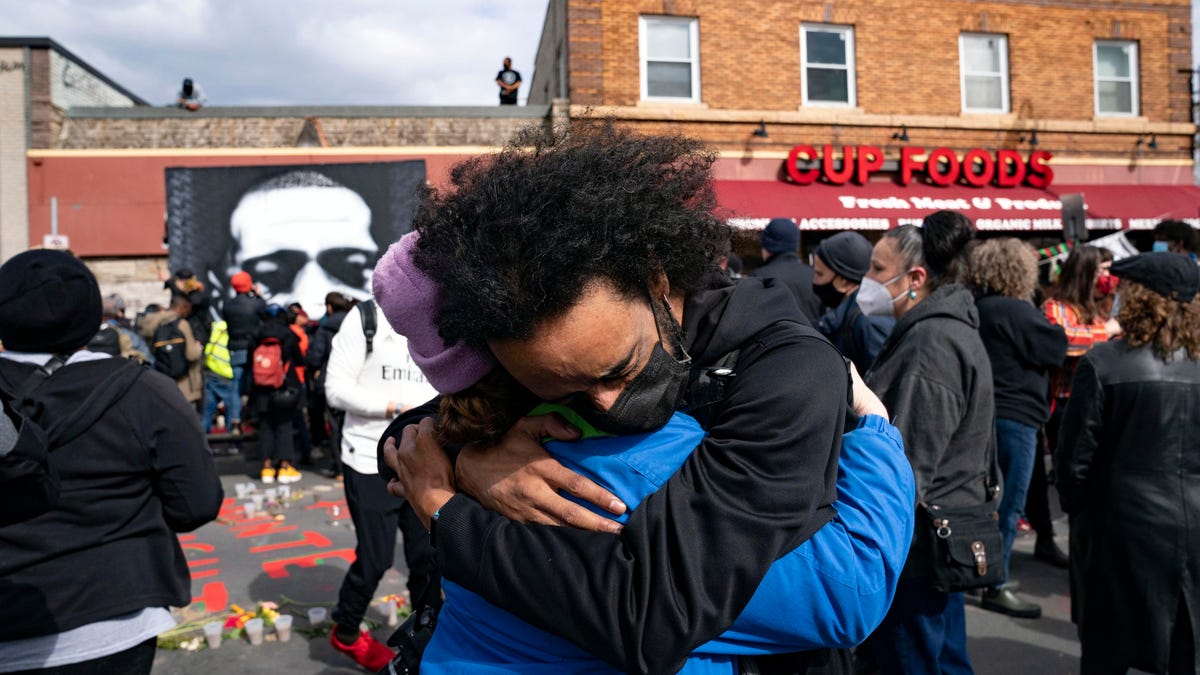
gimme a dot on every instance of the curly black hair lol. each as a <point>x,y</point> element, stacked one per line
<point>522,233</point>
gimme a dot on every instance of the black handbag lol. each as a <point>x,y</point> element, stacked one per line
<point>284,399</point>
<point>967,548</point>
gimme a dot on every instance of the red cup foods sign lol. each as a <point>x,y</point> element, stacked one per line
<point>976,168</point>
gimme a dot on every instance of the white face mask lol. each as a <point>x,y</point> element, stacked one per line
<point>874,299</point>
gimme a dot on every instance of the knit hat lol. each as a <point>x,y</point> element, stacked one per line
<point>241,282</point>
<point>781,235</point>
<point>49,302</point>
<point>409,301</point>
<point>848,254</point>
<point>1172,275</point>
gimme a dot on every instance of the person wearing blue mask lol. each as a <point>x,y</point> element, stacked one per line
<point>1176,236</point>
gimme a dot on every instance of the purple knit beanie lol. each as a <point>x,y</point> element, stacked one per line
<point>409,299</point>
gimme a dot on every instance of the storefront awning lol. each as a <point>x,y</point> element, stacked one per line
<point>884,205</point>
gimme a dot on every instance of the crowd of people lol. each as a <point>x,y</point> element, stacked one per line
<point>605,450</point>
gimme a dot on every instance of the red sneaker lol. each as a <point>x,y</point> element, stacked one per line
<point>366,651</point>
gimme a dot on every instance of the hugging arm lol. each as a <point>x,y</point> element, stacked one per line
<point>834,589</point>
<point>691,556</point>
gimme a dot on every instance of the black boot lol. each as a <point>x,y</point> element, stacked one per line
<point>1003,600</point>
<point>1048,551</point>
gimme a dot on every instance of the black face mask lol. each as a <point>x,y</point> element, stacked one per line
<point>828,295</point>
<point>648,401</point>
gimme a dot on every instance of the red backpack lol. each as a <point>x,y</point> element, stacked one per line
<point>269,367</point>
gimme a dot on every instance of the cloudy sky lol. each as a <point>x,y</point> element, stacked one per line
<point>294,52</point>
<point>263,52</point>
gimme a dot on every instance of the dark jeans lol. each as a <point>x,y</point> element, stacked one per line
<point>1037,500</point>
<point>275,435</point>
<point>137,660</point>
<point>1017,454</point>
<point>377,515</point>
<point>924,633</point>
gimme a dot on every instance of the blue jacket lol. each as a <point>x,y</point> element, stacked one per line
<point>831,591</point>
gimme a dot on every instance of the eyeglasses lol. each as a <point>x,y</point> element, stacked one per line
<point>277,271</point>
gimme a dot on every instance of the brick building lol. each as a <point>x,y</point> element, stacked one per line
<point>860,114</point>
<point>39,82</point>
<point>1098,91</point>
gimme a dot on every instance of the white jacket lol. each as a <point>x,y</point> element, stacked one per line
<point>363,385</point>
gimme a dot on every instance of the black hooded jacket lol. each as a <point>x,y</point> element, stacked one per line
<point>936,381</point>
<point>797,277</point>
<point>692,554</point>
<point>243,314</point>
<point>137,476</point>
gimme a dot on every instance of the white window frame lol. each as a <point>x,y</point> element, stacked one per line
<point>694,48</point>
<point>1134,92</point>
<point>1005,98</point>
<point>851,73</point>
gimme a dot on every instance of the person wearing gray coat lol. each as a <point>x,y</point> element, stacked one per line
<point>934,376</point>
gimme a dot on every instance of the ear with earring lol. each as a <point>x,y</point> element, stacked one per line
<point>912,295</point>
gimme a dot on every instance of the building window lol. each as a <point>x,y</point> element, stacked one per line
<point>670,50</point>
<point>983,60</point>
<point>827,65</point>
<point>1116,78</point>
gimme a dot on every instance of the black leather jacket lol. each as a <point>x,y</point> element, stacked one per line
<point>1128,466</point>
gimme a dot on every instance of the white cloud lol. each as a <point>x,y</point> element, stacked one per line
<point>263,52</point>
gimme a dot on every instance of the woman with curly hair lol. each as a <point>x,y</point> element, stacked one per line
<point>1128,466</point>
<point>586,263</point>
<point>1022,346</point>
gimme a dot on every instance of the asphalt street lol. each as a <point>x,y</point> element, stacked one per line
<point>299,560</point>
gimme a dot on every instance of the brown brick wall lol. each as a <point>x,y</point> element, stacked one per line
<point>283,132</point>
<point>907,52</point>
<point>42,115</point>
<point>907,68</point>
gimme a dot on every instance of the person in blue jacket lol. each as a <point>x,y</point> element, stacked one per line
<point>831,591</point>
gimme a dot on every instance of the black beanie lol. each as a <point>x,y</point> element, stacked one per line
<point>781,235</point>
<point>848,254</point>
<point>49,303</point>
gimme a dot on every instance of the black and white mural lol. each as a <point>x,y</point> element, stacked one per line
<point>300,231</point>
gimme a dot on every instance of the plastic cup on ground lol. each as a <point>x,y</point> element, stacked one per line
<point>249,508</point>
<point>258,501</point>
<point>316,615</point>
<point>240,489</point>
<point>389,610</point>
<point>272,493</point>
<point>285,492</point>
<point>283,627</point>
<point>212,633</point>
<point>254,631</point>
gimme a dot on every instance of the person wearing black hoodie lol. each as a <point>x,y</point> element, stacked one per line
<point>1023,347</point>
<point>780,242</point>
<point>85,585</point>
<point>243,316</point>
<point>678,573</point>
<point>933,376</point>
<point>315,361</point>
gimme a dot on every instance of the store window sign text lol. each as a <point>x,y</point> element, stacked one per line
<point>976,168</point>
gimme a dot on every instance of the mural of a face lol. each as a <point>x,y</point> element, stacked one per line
<point>301,242</point>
